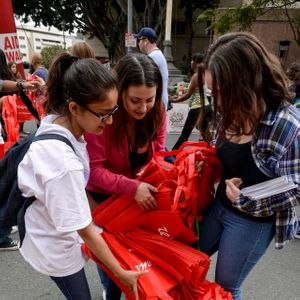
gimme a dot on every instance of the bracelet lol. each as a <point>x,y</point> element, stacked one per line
<point>20,85</point>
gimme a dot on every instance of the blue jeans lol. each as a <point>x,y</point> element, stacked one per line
<point>4,235</point>
<point>113,292</point>
<point>240,243</point>
<point>74,287</point>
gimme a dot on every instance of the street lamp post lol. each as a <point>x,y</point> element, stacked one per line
<point>174,74</point>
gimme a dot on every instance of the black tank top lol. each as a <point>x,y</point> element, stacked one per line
<point>237,161</point>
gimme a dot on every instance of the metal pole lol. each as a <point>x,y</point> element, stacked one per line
<point>129,21</point>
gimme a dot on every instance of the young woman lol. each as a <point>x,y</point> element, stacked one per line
<point>129,143</point>
<point>258,136</point>
<point>198,101</point>
<point>56,176</point>
<point>14,70</point>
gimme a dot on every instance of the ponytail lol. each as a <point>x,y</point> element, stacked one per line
<point>83,81</point>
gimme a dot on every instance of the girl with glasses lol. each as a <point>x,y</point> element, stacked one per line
<point>129,143</point>
<point>56,175</point>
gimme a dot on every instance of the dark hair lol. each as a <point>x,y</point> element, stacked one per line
<point>135,70</point>
<point>249,80</point>
<point>198,57</point>
<point>5,73</point>
<point>293,73</point>
<point>17,75</point>
<point>83,81</point>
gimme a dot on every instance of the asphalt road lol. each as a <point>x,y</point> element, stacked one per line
<point>276,277</point>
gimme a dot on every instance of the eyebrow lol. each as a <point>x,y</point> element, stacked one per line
<point>150,98</point>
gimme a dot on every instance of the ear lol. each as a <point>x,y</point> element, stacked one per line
<point>74,109</point>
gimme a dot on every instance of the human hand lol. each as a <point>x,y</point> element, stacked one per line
<point>144,197</point>
<point>199,166</point>
<point>129,278</point>
<point>232,188</point>
<point>33,84</point>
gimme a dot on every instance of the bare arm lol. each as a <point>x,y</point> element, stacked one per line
<point>192,88</point>
<point>99,247</point>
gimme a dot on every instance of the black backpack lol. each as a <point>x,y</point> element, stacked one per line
<point>12,204</point>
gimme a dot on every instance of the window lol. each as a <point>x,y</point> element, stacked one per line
<point>38,47</point>
<point>21,37</point>
<point>38,40</point>
<point>23,54</point>
<point>22,46</point>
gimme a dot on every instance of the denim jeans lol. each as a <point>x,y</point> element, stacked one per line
<point>4,235</point>
<point>113,292</point>
<point>74,287</point>
<point>240,243</point>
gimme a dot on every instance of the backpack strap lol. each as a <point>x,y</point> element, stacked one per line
<point>29,201</point>
<point>53,136</point>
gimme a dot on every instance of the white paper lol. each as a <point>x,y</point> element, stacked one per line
<point>268,188</point>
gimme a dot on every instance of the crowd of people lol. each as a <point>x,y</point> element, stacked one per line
<point>116,121</point>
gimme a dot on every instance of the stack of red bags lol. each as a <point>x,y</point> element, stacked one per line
<point>157,240</point>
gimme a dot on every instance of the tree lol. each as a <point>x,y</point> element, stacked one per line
<point>243,15</point>
<point>103,19</point>
<point>49,53</point>
<point>189,7</point>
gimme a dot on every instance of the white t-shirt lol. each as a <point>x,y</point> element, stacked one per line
<point>161,62</point>
<point>57,177</point>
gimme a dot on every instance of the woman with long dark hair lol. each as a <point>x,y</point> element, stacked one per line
<point>129,143</point>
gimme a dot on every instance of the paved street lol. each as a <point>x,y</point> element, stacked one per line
<point>276,277</point>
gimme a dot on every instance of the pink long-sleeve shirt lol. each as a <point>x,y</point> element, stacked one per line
<point>110,167</point>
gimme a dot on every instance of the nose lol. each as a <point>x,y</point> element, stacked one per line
<point>143,108</point>
<point>109,120</point>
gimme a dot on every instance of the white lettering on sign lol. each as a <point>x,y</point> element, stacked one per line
<point>10,44</point>
<point>164,232</point>
<point>144,265</point>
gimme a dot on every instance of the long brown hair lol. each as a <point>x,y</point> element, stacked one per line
<point>135,70</point>
<point>82,80</point>
<point>249,80</point>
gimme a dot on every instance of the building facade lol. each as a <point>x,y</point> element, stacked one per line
<point>34,39</point>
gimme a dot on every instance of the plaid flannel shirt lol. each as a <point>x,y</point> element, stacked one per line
<point>275,149</point>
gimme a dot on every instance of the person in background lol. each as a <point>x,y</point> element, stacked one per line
<point>198,101</point>
<point>82,50</point>
<point>56,175</point>
<point>293,74</point>
<point>146,40</point>
<point>38,69</point>
<point>6,242</point>
<point>128,145</point>
<point>258,137</point>
<point>14,71</point>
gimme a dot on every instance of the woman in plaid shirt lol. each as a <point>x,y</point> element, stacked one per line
<point>257,139</point>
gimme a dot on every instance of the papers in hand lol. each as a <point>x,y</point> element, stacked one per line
<point>268,188</point>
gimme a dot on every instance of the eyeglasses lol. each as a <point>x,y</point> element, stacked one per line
<point>140,39</point>
<point>102,118</point>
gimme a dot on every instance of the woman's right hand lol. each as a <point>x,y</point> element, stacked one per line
<point>144,197</point>
<point>129,278</point>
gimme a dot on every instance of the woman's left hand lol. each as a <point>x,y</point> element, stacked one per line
<point>232,188</point>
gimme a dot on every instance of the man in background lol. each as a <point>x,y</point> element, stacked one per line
<point>146,39</point>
